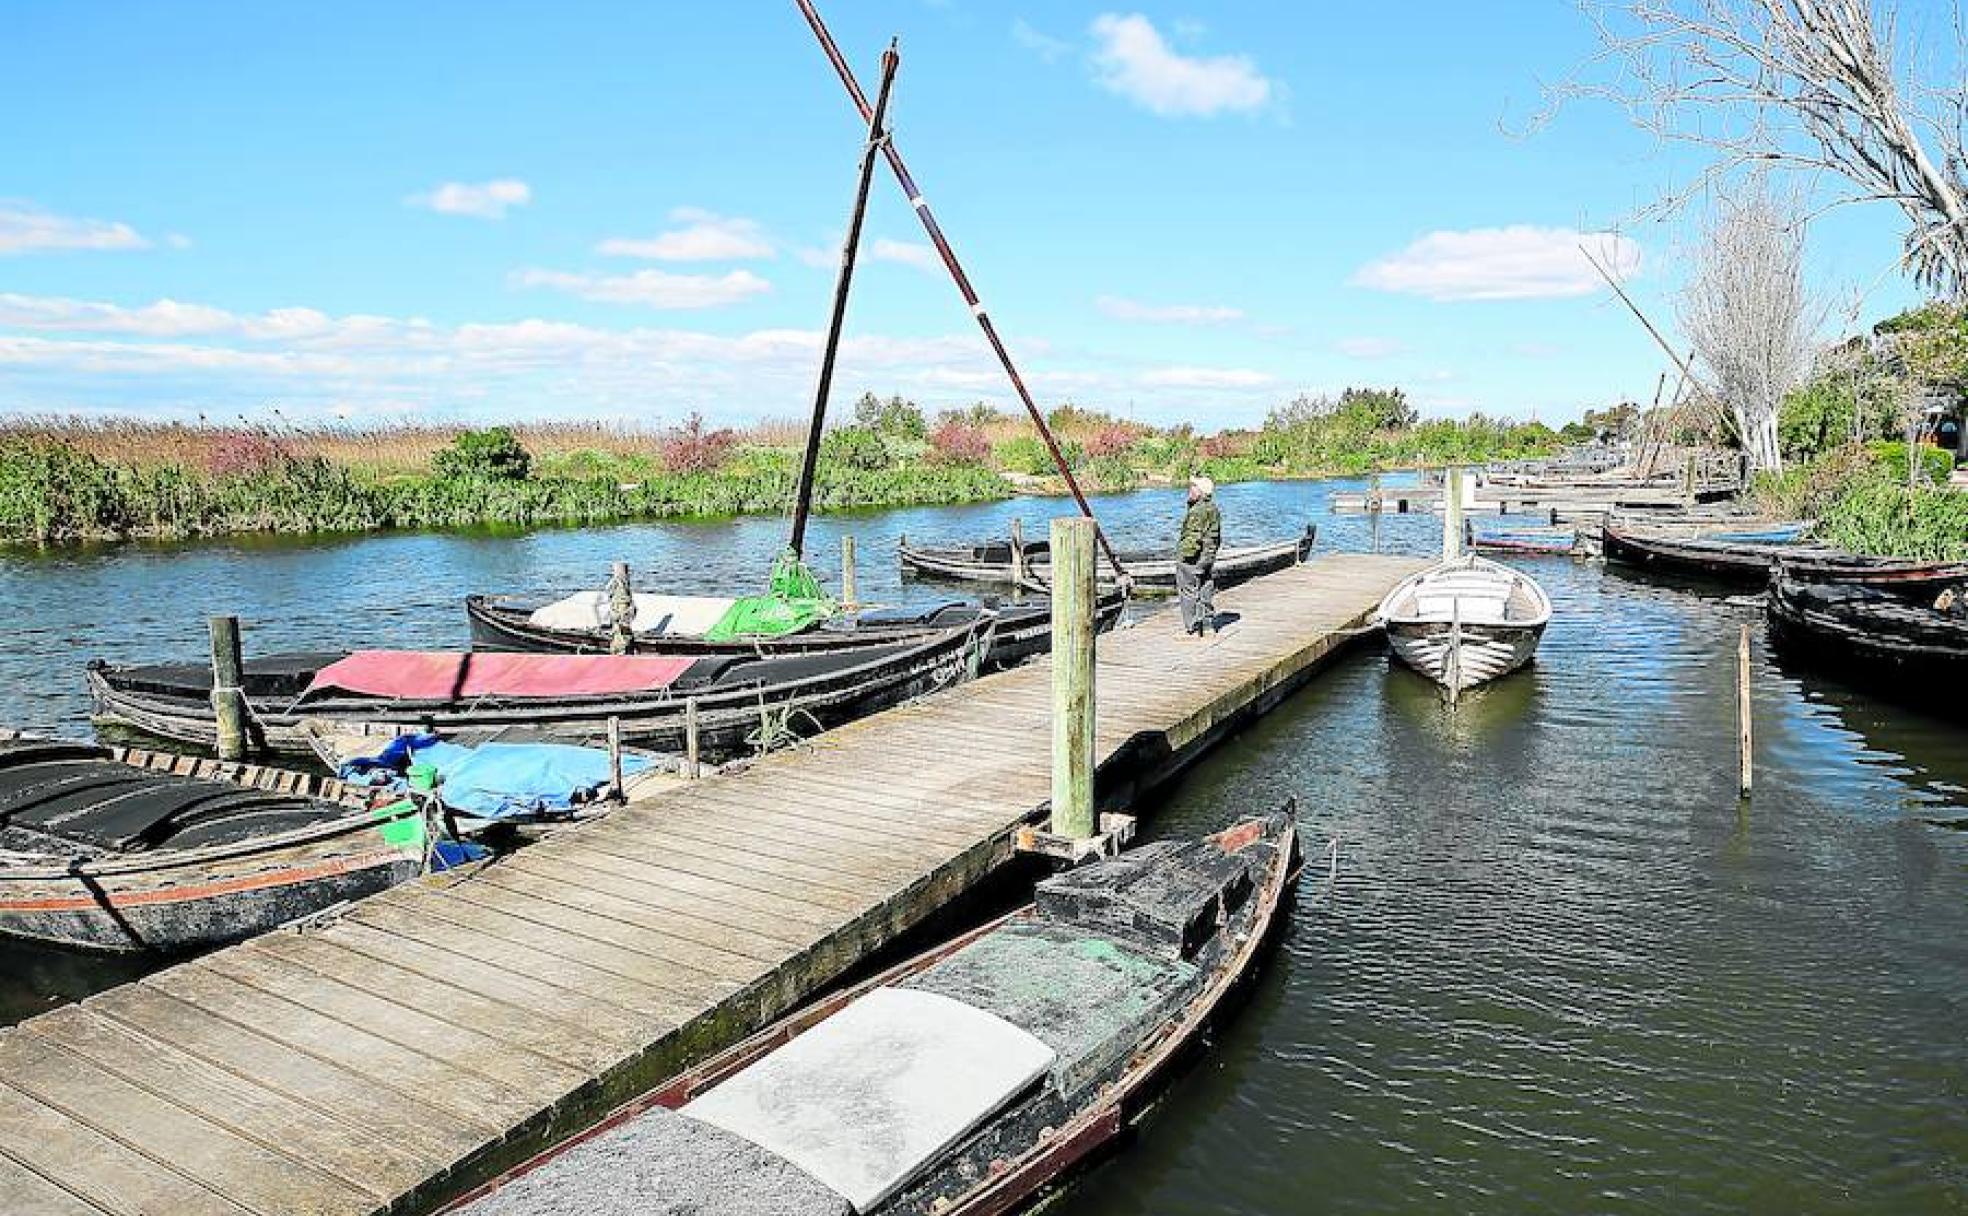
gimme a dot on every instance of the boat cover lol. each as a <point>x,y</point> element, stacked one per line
<point>793,601</point>
<point>869,1097</point>
<point>680,615</point>
<point>438,675</point>
<point>504,780</point>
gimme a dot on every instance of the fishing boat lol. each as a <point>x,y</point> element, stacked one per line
<point>966,1081</point>
<point>675,625</point>
<point>1530,542</point>
<point>1030,565</point>
<point>1905,577</point>
<point>739,704</point>
<point>1465,621</point>
<point>118,849</point>
<point>1916,648</point>
<point>1746,562</point>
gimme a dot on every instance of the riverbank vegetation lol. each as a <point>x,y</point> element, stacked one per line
<point>68,478</point>
<point>1844,437</point>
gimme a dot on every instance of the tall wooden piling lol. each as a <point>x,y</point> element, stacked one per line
<point>1743,707</point>
<point>621,610</point>
<point>690,739</point>
<point>228,701</point>
<point>850,594</point>
<point>1017,552</point>
<point>1072,678</point>
<point>1452,517</point>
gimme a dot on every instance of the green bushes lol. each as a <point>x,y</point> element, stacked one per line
<point>1861,501</point>
<point>493,454</point>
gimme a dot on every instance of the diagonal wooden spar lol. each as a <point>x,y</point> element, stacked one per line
<point>802,505</point>
<point>923,213</point>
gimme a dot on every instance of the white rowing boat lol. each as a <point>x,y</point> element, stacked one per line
<point>1465,621</point>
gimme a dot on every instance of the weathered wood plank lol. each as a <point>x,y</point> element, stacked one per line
<point>99,1168</point>
<point>22,1191</point>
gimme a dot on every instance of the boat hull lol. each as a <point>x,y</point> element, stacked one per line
<point>1147,573</point>
<point>731,720</point>
<point>1486,652</point>
<point>1906,649</point>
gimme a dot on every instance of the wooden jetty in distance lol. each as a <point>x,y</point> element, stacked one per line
<point>441,1031</point>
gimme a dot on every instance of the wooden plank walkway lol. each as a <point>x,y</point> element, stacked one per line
<point>440,1031</point>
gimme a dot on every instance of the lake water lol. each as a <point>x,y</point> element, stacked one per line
<point>1562,968</point>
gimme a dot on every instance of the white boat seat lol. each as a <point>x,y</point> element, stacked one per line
<point>681,615</point>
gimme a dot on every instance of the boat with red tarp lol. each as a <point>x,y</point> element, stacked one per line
<point>740,702</point>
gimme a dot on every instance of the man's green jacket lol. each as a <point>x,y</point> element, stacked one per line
<point>1202,534</point>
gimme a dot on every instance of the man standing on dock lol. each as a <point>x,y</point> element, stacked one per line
<point>1195,557</point>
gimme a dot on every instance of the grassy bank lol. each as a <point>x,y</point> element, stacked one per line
<point>66,479</point>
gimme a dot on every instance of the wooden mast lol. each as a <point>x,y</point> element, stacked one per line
<point>803,501</point>
<point>950,263</point>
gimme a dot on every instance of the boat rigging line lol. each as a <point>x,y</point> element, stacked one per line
<point>930,226</point>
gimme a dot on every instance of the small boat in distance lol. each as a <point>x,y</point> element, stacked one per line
<point>1909,577</point>
<point>1710,556</point>
<point>1030,565</point>
<point>115,849</point>
<point>962,1082</point>
<point>1465,621</point>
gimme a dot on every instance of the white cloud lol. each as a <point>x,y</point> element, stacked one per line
<point>651,288</point>
<point>704,237</point>
<point>1520,262</point>
<point>485,200</point>
<point>1044,46</point>
<point>25,228</point>
<point>1369,347</point>
<point>908,253</point>
<point>1133,60</point>
<point>1206,377</point>
<point>1167,314</point>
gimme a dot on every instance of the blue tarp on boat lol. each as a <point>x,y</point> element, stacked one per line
<point>503,780</point>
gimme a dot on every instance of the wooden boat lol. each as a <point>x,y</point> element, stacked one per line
<point>1905,577</point>
<point>1746,562</point>
<point>117,849</point>
<point>1018,631</point>
<point>1915,648</point>
<point>741,703</point>
<point>1465,621</point>
<point>1530,542</point>
<point>962,1082</point>
<point>995,562</point>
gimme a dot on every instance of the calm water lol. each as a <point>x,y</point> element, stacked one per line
<point>1561,969</point>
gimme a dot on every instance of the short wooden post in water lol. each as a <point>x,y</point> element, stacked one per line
<point>228,701</point>
<point>1743,705</point>
<point>690,739</point>
<point>615,760</point>
<point>1452,518</point>
<point>1688,482</point>
<point>1072,678</point>
<point>621,610</point>
<point>1017,552</point>
<point>850,595</point>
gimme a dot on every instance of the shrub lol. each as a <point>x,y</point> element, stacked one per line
<point>854,447</point>
<point>961,442</point>
<point>493,454</point>
<point>243,453</point>
<point>689,448</point>
<point>1113,439</point>
<point>896,416</point>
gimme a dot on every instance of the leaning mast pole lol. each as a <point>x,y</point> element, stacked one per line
<point>803,502</point>
<point>923,213</point>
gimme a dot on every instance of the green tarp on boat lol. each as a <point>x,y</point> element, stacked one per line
<point>793,601</point>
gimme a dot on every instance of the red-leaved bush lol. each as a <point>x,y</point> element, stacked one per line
<point>961,442</point>
<point>1112,440</point>
<point>690,448</point>
<point>240,452</point>
<point>1224,446</point>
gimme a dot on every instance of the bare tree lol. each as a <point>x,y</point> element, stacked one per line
<point>1813,85</point>
<point>1745,310</point>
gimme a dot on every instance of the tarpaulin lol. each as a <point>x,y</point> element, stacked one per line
<point>793,601</point>
<point>436,675</point>
<point>501,780</point>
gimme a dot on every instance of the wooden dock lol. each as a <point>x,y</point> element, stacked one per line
<point>443,1030</point>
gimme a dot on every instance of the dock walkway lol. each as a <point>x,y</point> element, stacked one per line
<point>441,1031</point>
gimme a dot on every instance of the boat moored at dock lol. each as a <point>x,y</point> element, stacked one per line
<point>1030,565</point>
<point>1465,621</point>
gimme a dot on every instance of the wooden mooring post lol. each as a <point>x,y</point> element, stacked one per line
<point>621,610</point>
<point>850,594</point>
<point>690,768</point>
<point>228,700</point>
<point>616,792</point>
<point>1017,552</point>
<point>1075,831</point>
<point>1452,517</point>
<point>1743,708</point>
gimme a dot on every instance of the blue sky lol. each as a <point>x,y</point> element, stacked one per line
<point>630,211</point>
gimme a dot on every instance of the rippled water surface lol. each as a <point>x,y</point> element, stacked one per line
<point>1562,968</point>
